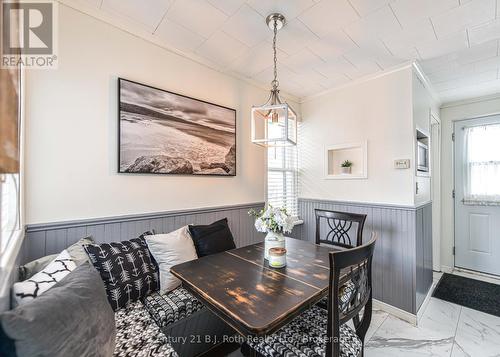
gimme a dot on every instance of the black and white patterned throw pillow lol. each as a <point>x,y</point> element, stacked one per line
<point>127,270</point>
<point>42,281</point>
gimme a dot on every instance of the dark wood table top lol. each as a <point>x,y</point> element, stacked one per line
<point>253,298</point>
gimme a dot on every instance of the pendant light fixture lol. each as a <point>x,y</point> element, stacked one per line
<point>275,122</point>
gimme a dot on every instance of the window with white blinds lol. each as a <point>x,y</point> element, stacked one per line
<point>282,178</point>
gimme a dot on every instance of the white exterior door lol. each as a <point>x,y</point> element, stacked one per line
<point>477,194</point>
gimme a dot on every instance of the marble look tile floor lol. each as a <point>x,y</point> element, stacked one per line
<point>445,330</point>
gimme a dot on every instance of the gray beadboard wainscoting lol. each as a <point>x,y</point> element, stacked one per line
<point>402,270</point>
<point>402,263</point>
<point>51,238</point>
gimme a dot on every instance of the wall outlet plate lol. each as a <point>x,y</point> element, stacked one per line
<point>402,164</point>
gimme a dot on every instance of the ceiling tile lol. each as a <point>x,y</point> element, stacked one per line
<point>148,16</point>
<point>334,81</point>
<point>455,71</point>
<point>437,48</point>
<point>308,75</point>
<point>290,8</point>
<point>415,34</point>
<point>177,36</point>
<point>332,45</point>
<point>470,14</point>
<point>229,7</point>
<point>221,48</point>
<point>294,37</point>
<point>490,63</point>
<point>476,53</point>
<point>435,64</point>
<point>309,89</point>
<point>483,89</point>
<point>485,32</point>
<point>198,16</point>
<point>327,43</point>
<point>335,68</point>
<point>256,60</point>
<point>285,77</point>
<point>364,7</point>
<point>408,11</point>
<point>302,60</point>
<point>387,62</point>
<point>484,55</point>
<point>379,23</point>
<point>363,64</point>
<point>327,16</point>
<point>477,78</point>
<point>248,26</point>
<point>452,72</point>
<point>371,45</point>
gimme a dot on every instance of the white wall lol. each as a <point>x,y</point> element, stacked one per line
<point>71,131</point>
<point>379,111</point>
<point>450,113</point>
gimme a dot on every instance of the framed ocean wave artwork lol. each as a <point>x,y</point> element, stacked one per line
<point>160,132</point>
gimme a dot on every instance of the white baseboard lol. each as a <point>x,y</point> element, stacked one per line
<point>394,311</point>
<point>405,315</point>
<point>421,311</point>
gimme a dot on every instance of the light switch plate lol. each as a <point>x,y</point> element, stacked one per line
<point>402,164</point>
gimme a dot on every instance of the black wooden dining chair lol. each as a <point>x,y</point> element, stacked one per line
<point>341,229</point>
<point>320,332</point>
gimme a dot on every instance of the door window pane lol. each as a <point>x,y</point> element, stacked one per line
<point>482,165</point>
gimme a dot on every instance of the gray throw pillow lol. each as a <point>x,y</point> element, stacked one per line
<point>27,270</point>
<point>73,318</point>
<point>75,250</point>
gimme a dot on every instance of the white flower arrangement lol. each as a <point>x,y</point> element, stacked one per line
<point>273,219</point>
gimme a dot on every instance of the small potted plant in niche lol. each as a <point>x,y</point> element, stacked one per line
<point>346,167</point>
<point>274,221</point>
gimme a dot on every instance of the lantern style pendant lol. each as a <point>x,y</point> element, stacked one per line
<point>275,122</point>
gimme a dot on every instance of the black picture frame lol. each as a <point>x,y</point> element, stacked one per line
<point>232,170</point>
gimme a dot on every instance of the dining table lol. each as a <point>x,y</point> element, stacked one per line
<point>253,298</point>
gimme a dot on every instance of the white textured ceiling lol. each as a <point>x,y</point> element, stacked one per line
<point>326,43</point>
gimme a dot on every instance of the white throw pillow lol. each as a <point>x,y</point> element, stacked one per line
<point>168,250</point>
<point>42,281</point>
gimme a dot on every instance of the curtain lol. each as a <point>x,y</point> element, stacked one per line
<point>482,165</point>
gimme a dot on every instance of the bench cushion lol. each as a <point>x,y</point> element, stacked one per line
<point>305,336</point>
<point>137,335</point>
<point>167,308</point>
